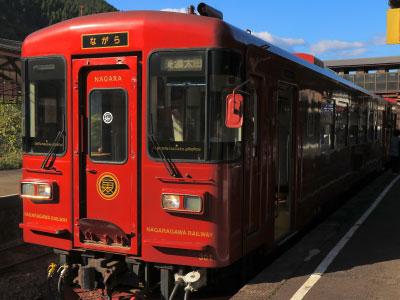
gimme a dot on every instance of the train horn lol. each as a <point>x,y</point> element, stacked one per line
<point>208,11</point>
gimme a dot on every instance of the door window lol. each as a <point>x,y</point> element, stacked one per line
<point>108,126</point>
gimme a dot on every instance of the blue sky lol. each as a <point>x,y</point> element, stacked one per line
<point>333,29</point>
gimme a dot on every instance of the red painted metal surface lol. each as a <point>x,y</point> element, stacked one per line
<point>310,58</point>
<point>156,224</point>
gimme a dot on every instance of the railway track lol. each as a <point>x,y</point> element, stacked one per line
<point>18,253</point>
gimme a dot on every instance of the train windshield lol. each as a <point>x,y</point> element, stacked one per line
<point>187,105</point>
<point>44,106</point>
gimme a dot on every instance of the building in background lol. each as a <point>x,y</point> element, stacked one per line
<point>378,74</point>
<point>10,71</point>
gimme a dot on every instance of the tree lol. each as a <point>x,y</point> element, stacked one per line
<point>394,3</point>
<point>10,128</point>
<point>22,17</point>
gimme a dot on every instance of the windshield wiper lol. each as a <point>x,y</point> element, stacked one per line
<point>51,152</point>
<point>169,165</point>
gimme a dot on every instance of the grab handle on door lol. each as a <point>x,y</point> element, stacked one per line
<point>91,171</point>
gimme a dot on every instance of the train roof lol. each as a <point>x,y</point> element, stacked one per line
<point>174,30</point>
<point>247,38</point>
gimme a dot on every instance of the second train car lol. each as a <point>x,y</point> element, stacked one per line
<point>180,143</point>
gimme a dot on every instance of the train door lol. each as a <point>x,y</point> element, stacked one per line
<point>252,163</point>
<point>284,161</point>
<point>253,222</point>
<point>106,183</point>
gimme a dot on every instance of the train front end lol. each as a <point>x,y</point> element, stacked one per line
<point>129,166</point>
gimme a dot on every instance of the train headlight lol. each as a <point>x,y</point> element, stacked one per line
<point>182,203</point>
<point>44,190</point>
<point>170,201</point>
<point>36,190</point>
<point>193,203</point>
<point>27,189</point>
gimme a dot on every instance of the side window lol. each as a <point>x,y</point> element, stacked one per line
<point>224,75</point>
<point>284,133</point>
<point>371,125</point>
<point>311,115</point>
<point>310,110</point>
<point>342,115</point>
<point>379,126</point>
<point>327,124</point>
<point>363,123</point>
<point>252,119</point>
<point>354,118</point>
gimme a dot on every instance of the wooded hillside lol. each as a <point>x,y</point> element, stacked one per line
<point>18,18</point>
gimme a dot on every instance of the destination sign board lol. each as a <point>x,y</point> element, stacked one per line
<point>182,63</point>
<point>105,40</point>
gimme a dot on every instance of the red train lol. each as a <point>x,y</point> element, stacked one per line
<point>179,143</point>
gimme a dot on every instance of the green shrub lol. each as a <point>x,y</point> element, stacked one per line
<point>10,136</point>
<point>11,161</point>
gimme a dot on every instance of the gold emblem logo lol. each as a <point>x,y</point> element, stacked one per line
<point>108,186</point>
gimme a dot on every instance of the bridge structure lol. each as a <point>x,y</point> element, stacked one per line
<point>10,71</point>
<point>378,74</point>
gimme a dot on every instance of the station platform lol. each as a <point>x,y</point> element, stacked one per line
<point>354,254</point>
<point>9,182</point>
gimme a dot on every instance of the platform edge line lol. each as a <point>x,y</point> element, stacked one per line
<point>320,270</point>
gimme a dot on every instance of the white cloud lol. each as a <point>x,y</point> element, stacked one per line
<point>379,39</point>
<point>285,43</point>
<point>353,53</point>
<point>323,49</point>
<point>178,10</point>
<point>326,46</point>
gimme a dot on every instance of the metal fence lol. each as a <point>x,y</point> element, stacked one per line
<point>378,82</point>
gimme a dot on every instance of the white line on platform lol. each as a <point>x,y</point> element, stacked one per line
<point>320,270</point>
<point>5,196</point>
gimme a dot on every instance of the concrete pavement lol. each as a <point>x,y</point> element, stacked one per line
<point>368,266</point>
<point>9,182</point>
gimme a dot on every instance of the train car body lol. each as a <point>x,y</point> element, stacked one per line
<point>128,160</point>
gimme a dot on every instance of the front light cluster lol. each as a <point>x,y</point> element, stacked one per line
<point>36,190</point>
<point>183,203</point>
